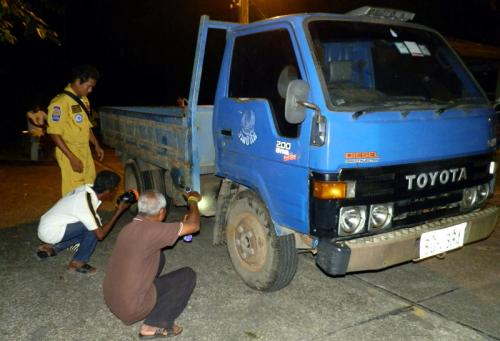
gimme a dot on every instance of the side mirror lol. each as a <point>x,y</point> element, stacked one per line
<point>296,95</point>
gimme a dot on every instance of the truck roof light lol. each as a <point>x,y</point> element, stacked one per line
<point>382,13</point>
<point>333,189</point>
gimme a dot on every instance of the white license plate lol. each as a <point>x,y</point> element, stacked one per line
<point>439,241</point>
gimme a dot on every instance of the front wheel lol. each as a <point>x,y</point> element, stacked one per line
<point>263,260</point>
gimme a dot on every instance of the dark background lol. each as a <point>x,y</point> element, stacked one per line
<point>144,49</point>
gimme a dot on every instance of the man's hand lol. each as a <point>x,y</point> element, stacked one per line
<point>193,195</point>
<point>122,206</point>
<point>191,221</point>
<point>100,152</point>
<point>76,164</point>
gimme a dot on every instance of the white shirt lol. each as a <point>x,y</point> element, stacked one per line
<point>71,208</point>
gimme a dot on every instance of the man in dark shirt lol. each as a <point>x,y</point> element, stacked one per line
<point>133,288</point>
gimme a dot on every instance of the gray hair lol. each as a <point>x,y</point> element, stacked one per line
<point>150,203</point>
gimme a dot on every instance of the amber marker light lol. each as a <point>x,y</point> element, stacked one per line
<point>329,189</point>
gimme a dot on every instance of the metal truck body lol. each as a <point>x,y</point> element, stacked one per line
<point>365,141</point>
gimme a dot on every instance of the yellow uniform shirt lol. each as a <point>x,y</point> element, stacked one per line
<point>68,119</point>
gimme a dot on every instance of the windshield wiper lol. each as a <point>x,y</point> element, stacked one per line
<point>397,104</point>
<point>459,102</point>
<point>367,110</point>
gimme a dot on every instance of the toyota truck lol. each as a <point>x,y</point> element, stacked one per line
<point>361,138</point>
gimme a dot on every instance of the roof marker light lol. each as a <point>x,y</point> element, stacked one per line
<point>382,13</point>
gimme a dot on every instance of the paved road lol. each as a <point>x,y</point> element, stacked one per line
<point>457,298</point>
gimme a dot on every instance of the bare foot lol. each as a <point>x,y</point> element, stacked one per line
<point>45,251</point>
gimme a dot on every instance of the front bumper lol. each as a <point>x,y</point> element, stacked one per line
<point>399,246</point>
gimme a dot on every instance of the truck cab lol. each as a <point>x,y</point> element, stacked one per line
<point>395,139</point>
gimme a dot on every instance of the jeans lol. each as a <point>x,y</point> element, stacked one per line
<point>77,233</point>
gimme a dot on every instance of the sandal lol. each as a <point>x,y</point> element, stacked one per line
<point>85,269</point>
<point>45,251</point>
<point>163,332</point>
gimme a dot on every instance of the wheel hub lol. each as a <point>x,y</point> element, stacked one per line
<point>250,242</point>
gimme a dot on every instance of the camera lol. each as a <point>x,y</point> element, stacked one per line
<point>131,196</point>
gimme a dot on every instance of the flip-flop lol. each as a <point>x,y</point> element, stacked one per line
<point>160,333</point>
<point>85,269</point>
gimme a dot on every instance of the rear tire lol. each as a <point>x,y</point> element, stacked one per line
<point>263,260</point>
<point>154,180</point>
<point>133,180</point>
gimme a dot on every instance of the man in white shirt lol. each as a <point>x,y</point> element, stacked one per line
<point>74,220</point>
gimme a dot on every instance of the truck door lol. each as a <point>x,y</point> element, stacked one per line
<point>255,145</point>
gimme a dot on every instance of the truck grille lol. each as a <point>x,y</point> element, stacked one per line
<point>415,202</point>
<point>416,210</point>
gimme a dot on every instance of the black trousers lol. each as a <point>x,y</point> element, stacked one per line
<point>172,294</point>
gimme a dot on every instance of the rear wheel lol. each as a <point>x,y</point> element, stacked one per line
<point>264,261</point>
<point>155,180</point>
<point>133,180</point>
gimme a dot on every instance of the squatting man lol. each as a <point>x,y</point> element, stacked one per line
<point>74,220</point>
<point>133,288</point>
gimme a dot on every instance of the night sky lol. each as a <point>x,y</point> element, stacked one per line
<point>145,49</point>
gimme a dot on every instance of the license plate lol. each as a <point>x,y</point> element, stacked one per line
<point>439,241</point>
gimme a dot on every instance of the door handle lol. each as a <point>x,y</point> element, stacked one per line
<point>226,132</point>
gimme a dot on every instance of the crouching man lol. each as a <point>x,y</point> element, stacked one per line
<point>74,220</point>
<point>133,288</point>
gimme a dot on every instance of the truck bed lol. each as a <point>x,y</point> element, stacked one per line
<point>160,136</point>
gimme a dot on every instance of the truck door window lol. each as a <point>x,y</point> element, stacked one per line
<point>262,63</point>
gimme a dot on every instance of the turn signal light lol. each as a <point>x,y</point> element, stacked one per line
<point>333,189</point>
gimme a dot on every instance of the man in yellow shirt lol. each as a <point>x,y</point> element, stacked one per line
<point>71,130</point>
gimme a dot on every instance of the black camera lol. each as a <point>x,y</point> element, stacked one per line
<point>131,196</point>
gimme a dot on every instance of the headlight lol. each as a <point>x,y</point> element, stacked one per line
<point>380,216</point>
<point>352,220</point>
<point>482,192</point>
<point>469,197</point>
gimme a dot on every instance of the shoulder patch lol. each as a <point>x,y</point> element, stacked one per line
<point>76,108</point>
<point>78,118</point>
<point>56,113</point>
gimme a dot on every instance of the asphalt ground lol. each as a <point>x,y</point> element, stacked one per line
<point>456,298</point>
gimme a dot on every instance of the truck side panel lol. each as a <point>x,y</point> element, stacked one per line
<point>160,137</point>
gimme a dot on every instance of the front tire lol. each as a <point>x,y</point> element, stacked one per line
<point>263,260</point>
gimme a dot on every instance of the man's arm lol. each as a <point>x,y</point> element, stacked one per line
<point>98,149</point>
<point>76,163</point>
<point>102,232</point>
<point>32,121</point>
<point>191,222</point>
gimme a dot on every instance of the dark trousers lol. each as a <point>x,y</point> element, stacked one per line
<point>172,294</point>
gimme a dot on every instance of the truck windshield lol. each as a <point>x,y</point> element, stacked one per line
<point>372,65</point>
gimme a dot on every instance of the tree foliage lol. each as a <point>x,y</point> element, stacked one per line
<point>16,14</point>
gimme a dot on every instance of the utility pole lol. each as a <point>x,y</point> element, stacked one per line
<point>244,11</point>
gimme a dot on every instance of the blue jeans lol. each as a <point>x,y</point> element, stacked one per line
<point>78,233</point>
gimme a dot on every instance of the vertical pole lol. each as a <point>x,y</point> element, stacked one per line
<point>193,101</point>
<point>497,90</point>
<point>244,12</point>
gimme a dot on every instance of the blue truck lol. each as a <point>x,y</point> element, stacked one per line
<point>360,138</point>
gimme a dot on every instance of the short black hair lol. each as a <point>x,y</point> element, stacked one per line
<point>84,73</point>
<point>106,181</point>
